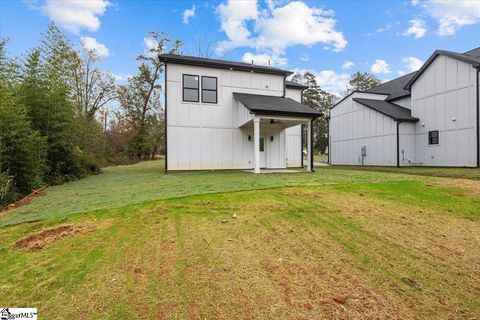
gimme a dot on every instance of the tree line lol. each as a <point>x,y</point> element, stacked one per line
<point>321,100</point>
<point>53,103</point>
<point>54,124</point>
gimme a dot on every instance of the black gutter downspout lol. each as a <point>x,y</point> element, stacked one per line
<point>311,145</point>
<point>166,128</point>
<point>478,117</point>
<point>329,142</point>
<point>398,143</point>
<point>284,86</point>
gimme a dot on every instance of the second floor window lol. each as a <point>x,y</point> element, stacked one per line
<point>190,88</point>
<point>209,89</point>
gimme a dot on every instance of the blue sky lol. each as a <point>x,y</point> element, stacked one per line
<point>330,38</point>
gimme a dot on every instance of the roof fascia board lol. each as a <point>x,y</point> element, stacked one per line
<point>432,58</point>
<point>225,66</point>
<point>356,91</point>
<point>388,115</point>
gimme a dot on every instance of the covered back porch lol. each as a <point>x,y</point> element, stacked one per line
<point>270,121</point>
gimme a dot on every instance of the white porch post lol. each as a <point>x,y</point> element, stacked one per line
<point>256,144</point>
<point>309,146</point>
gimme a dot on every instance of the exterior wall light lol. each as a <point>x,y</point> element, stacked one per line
<point>249,138</point>
<point>271,138</point>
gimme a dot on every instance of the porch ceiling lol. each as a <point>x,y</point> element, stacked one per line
<point>276,122</point>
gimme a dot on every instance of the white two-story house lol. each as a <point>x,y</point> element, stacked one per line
<point>232,115</point>
<point>429,117</point>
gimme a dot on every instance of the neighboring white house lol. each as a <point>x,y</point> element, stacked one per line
<point>427,118</point>
<point>232,115</point>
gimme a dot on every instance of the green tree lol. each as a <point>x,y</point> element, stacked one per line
<point>140,98</point>
<point>320,100</point>
<point>362,81</point>
<point>45,92</point>
<point>22,151</point>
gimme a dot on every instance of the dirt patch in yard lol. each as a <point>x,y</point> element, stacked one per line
<point>472,186</point>
<point>47,237</point>
<point>25,200</point>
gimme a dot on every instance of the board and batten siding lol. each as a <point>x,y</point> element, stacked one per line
<point>293,135</point>
<point>405,102</point>
<point>353,125</point>
<point>206,136</point>
<point>444,99</point>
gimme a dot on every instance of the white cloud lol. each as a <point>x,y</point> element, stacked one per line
<point>304,57</point>
<point>273,29</point>
<point>347,65</point>
<point>121,77</point>
<point>298,24</point>
<point>417,29</point>
<point>451,15</point>
<point>149,43</point>
<point>380,66</point>
<point>412,63</point>
<point>264,59</point>
<point>233,18</point>
<point>387,27</point>
<point>188,14</point>
<point>75,15</point>
<point>329,80</point>
<point>90,43</point>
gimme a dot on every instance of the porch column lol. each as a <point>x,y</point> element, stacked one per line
<point>256,143</point>
<point>309,146</point>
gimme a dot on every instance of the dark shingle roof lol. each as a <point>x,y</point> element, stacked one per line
<point>475,54</point>
<point>394,88</point>
<point>472,57</point>
<point>295,85</point>
<point>389,109</point>
<point>222,64</point>
<point>262,104</point>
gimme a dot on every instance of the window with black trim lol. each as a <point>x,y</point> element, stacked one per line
<point>433,137</point>
<point>190,88</point>
<point>209,89</point>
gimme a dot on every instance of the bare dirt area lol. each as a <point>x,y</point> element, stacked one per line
<point>25,200</point>
<point>47,237</point>
<point>473,186</point>
<point>288,253</point>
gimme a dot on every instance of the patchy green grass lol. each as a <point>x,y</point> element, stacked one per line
<point>461,173</point>
<point>342,244</point>
<point>146,181</point>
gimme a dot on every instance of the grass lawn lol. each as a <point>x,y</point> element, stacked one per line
<point>338,243</point>
<point>465,173</point>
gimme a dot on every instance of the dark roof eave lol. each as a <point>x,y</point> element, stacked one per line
<point>294,85</point>
<point>398,97</point>
<point>458,56</point>
<point>356,91</point>
<point>283,113</point>
<point>224,65</point>
<point>409,119</point>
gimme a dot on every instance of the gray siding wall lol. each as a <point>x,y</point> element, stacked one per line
<point>353,125</point>
<point>444,99</point>
<point>293,135</point>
